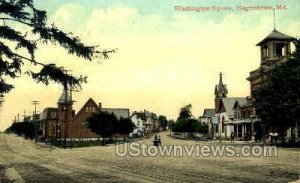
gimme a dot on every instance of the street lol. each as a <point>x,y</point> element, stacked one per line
<point>24,161</point>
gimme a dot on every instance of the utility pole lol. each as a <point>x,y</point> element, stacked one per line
<point>24,116</point>
<point>35,103</point>
<point>34,118</point>
<point>65,112</point>
<point>65,84</point>
<point>82,79</point>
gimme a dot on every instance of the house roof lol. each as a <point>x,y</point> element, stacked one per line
<point>228,103</point>
<point>118,112</point>
<point>209,112</point>
<point>145,114</point>
<point>275,35</point>
<point>89,101</point>
<point>50,109</point>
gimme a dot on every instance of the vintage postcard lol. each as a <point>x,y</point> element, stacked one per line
<point>149,91</point>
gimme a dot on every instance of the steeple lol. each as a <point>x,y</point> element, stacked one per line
<point>221,89</point>
<point>220,80</point>
<point>65,97</point>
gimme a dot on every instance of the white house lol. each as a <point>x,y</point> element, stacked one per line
<point>146,122</point>
<point>229,120</point>
<point>209,119</point>
<point>139,124</point>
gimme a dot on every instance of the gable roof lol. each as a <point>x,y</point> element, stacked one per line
<point>275,35</point>
<point>143,115</point>
<point>228,103</point>
<point>209,112</point>
<point>118,112</point>
<point>90,101</point>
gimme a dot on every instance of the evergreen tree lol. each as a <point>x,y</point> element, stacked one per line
<point>18,13</point>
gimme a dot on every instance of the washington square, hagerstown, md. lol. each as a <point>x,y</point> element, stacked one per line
<point>149,91</point>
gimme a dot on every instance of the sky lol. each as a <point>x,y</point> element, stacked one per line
<point>165,58</point>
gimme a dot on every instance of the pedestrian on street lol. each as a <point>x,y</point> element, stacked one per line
<point>232,137</point>
<point>246,138</point>
<point>159,140</point>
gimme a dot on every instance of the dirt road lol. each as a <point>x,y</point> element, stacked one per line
<point>24,161</point>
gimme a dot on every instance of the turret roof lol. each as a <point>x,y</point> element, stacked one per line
<point>275,35</point>
<point>62,99</point>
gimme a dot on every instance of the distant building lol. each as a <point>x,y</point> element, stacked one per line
<point>230,113</point>
<point>208,118</point>
<point>146,122</point>
<point>138,119</point>
<point>207,115</point>
<point>55,120</point>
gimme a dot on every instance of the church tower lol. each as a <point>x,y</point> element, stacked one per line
<point>220,92</point>
<point>64,112</point>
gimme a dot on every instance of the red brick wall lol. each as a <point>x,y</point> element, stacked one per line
<point>77,127</point>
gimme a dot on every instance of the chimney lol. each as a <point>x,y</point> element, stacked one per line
<point>100,105</point>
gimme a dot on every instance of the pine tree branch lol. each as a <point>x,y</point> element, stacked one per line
<point>30,60</point>
<point>16,20</point>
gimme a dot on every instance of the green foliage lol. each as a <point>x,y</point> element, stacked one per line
<point>103,123</point>
<point>185,122</point>
<point>163,122</point>
<point>124,126</point>
<point>23,12</point>
<point>189,126</point>
<point>278,101</point>
<point>185,112</point>
<point>26,129</point>
<point>203,128</point>
<point>106,124</point>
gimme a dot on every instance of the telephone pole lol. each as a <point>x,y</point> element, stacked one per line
<point>35,103</point>
<point>24,115</point>
<point>34,118</point>
<point>65,85</point>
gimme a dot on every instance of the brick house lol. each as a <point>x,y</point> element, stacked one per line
<point>56,119</point>
<point>274,50</point>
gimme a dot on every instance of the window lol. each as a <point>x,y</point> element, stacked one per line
<point>85,124</point>
<point>90,109</point>
<point>53,114</point>
<point>223,125</point>
<point>237,114</point>
<point>279,49</point>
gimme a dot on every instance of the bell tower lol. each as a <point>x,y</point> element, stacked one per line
<point>274,46</point>
<point>274,50</point>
